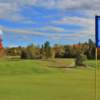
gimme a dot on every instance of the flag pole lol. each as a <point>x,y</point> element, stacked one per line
<point>96,54</point>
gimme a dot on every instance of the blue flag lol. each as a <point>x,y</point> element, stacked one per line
<point>97,30</point>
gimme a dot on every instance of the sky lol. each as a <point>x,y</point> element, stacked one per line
<point>23,22</point>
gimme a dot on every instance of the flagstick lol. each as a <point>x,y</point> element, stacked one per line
<point>96,54</point>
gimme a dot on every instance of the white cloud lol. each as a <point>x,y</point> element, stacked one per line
<point>53,29</point>
<point>9,9</point>
<point>87,24</point>
<point>76,21</point>
<point>1,32</point>
<point>75,36</point>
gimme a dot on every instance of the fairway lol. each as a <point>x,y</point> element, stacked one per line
<point>74,85</point>
<point>35,80</point>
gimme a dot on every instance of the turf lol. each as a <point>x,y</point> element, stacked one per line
<point>17,66</point>
<point>37,80</point>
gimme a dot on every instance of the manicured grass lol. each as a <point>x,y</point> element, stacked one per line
<point>72,85</point>
<point>37,80</point>
<point>98,84</point>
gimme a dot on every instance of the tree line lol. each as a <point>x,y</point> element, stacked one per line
<point>57,51</point>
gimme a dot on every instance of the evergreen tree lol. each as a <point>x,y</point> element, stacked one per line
<point>91,49</point>
<point>47,49</point>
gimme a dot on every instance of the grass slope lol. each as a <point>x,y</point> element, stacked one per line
<point>16,66</point>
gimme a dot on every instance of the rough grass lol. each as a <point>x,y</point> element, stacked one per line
<point>17,66</point>
<point>37,80</point>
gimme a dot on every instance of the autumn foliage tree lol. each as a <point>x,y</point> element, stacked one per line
<point>57,51</point>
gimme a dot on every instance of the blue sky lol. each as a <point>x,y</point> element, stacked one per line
<point>24,22</point>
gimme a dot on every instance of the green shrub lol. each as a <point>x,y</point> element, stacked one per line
<point>25,54</point>
<point>80,58</point>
